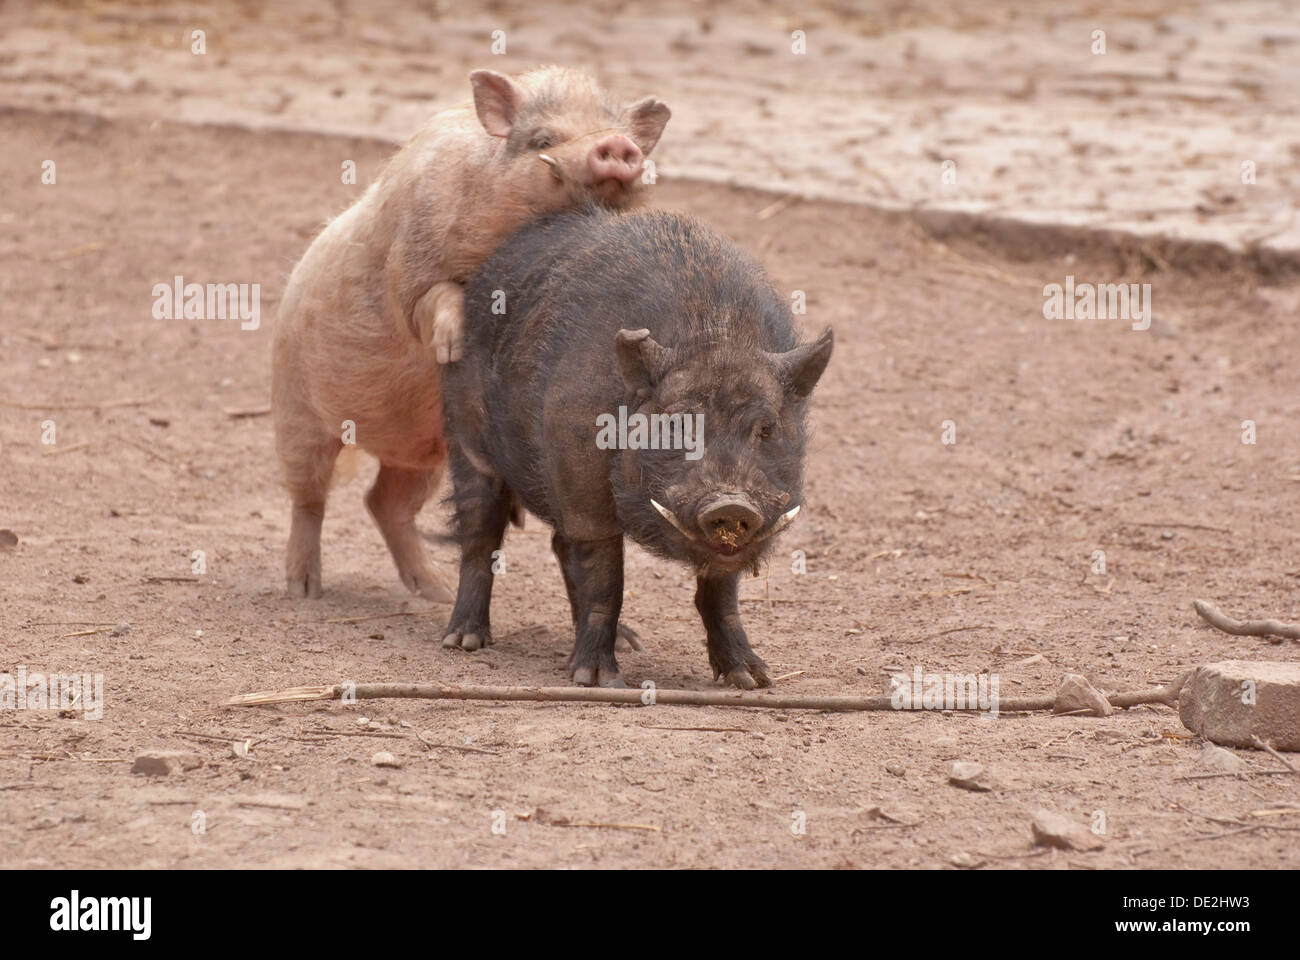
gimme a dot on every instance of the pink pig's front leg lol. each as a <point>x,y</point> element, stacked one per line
<point>439,320</point>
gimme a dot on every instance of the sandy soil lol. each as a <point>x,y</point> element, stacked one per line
<point>1149,136</point>
<point>1071,437</point>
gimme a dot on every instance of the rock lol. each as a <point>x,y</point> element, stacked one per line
<point>895,768</point>
<point>162,763</point>
<point>1111,734</point>
<point>1233,701</point>
<point>8,538</point>
<point>121,630</point>
<point>1220,760</point>
<point>385,759</point>
<point>1054,830</point>
<point>965,861</point>
<point>1076,693</point>
<point>969,776</point>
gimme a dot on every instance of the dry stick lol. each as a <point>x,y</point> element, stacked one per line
<point>59,451</point>
<point>105,405</point>
<point>1246,628</point>
<point>244,414</point>
<point>212,736</point>
<point>70,623</point>
<point>377,616</point>
<point>356,733</point>
<point>150,451</point>
<point>1185,526</point>
<point>1275,755</point>
<point>1240,773</point>
<point>605,826</point>
<point>1167,695</point>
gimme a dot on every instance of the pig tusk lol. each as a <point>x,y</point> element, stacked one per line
<point>785,521</point>
<point>668,515</point>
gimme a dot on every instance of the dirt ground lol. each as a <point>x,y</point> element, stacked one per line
<point>1039,123</point>
<point>1071,437</point>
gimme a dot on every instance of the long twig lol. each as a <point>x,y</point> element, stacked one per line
<point>1268,748</point>
<point>104,405</point>
<point>1245,628</point>
<point>1167,695</point>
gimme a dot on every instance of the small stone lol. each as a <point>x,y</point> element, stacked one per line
<point>969,776</point>
<point>965,861</point>
<point>1234,701</point>
<point>1111,734</point>
<point>1054,830</point>
<point>121,630</point>
<point>8,538</point>
<point>385,759</point>
<point>1220,760</point>
<point>1076,693</point>
<point>895,768</point>
<point>162,763</point>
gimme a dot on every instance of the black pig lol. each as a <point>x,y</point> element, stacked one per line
<point>577,316</point>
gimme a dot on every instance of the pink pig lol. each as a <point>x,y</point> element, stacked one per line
<point>375,304</point>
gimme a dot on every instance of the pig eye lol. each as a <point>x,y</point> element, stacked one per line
<point>541,139</point>
<point>766,430</point>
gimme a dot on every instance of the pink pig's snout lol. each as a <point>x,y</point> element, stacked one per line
<point>615,158</point>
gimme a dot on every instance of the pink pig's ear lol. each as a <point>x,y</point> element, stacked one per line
<point>497,99</point>
<point>645,121</point>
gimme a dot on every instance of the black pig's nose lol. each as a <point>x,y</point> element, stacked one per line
<point>730,520</point>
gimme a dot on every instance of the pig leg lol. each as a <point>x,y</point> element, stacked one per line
<point>308,465</point>
<point>593,577</point>
<point>729,651</point>
<point>393,501</point>
<point>625,637</point>
<point>439,320</point>
<point>483,508</point>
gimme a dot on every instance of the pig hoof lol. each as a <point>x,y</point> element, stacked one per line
<point>304,587</point>
<point>467,640</point>
<point>628,639</point>
<point>747,676</point>
<point>742,678</point>
<point>598,677</point>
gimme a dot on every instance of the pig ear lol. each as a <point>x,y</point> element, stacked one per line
<point>496,99</point>
<point>645,120</point>
<point>801,368</point>
<point>641,360</point>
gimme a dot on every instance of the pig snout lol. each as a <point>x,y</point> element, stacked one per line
<point>615,158</point>
<point>730,521</point>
